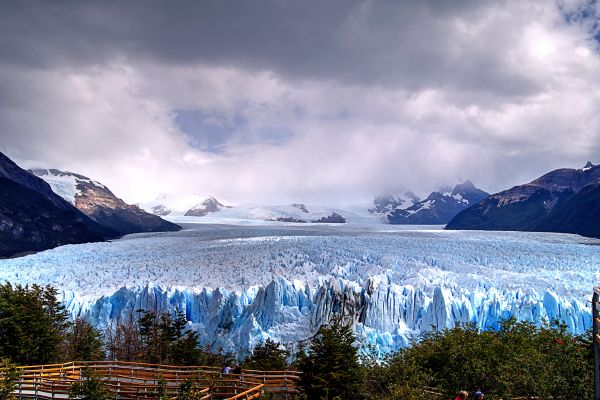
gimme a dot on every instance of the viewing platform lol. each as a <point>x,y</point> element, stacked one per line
<point>136,381</point>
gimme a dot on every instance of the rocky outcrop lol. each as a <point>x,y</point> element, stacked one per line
<point>290,219</point>
<point>300,207</point>
<point>334,218</point>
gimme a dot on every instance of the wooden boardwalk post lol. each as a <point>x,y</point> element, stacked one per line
<point>596,341</point>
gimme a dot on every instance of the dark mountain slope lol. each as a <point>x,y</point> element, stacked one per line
<point>579,214</point>
<point>563,200</point>
<point>33,218</point>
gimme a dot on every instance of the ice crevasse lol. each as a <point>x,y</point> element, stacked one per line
<point>238,286</point>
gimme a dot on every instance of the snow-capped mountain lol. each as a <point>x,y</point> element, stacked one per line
<point>187,209</point>
<point>292,213</point>
<point>101,205</point>
<point>160,210</point>
<point>563,200</point>
<point>439,207</point>
<point>173,204</point>
<point>34,218</point>
<point>386,204</point>
<point>208,206</point>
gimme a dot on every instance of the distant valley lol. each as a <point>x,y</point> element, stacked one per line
<point>45,208</point>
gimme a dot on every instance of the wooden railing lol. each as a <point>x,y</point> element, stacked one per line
<point>141,381</point>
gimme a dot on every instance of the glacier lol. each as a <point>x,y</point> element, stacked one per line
<point>238,285</point>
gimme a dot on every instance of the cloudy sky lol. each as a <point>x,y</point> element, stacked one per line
<point>314,101</point>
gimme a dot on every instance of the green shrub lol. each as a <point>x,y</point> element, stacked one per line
<point>90,388</point>
<point>8,379</point>
<point>518,359</point>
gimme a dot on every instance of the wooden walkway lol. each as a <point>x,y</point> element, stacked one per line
<point>136,381</point>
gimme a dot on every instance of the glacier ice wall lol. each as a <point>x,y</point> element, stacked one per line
<point>384,315</point>
<point>239,285</point>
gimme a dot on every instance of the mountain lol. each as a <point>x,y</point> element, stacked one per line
<point>208,206</point>
<point>160,210</point>
<point>386,204</point>
<point>33,218</point>
<point>295,213</point>
<point>174,205</point>
<point>97,202</point>
<point>439,207</point>
<point>563,200</point>
<point>292,213</point>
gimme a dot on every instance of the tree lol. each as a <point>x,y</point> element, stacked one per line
<point>268,356</point>
<point>212,358</point>
<point>159,332</point>
<point>160,338</point>
<point>123,340</point>
<point>186,350</point>
<point>82,342</point>
<point>331,370</point>
<point>32,323</point>
<point>90,388</point>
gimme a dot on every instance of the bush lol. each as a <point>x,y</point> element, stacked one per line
<point>517,360</point>
<point>90,388</point>
<point>8,379</point>
<point>188,390</point>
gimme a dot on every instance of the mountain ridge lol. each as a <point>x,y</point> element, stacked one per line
<point>436,209</point>
<point>97,202</point>
<point>543,204</point>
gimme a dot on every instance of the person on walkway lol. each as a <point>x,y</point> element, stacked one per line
<point>462,395</point>
<point>478,395</point>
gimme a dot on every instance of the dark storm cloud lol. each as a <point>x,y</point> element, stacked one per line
<point>322,100</point>
<point>406,44</point>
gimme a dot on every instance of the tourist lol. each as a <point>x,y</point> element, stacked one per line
<point>462,395</point>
